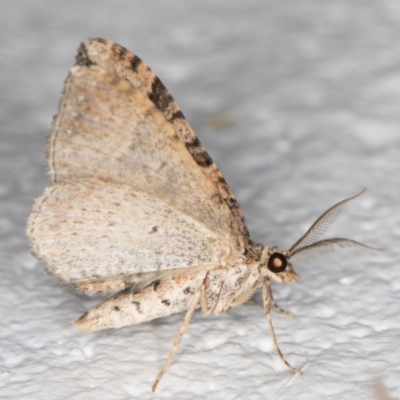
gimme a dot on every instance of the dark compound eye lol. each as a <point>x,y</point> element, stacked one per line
<point>277,262</point>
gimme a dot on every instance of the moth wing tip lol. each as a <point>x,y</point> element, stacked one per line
<point>83,323</point>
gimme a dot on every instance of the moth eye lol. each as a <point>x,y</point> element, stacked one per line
<point>277,262</point>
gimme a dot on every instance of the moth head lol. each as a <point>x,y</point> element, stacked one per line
<point>275,263</point>
<point>275,266</point>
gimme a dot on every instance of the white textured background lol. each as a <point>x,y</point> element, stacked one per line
<point>314,89</point>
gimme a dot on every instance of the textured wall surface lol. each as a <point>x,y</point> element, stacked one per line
<point>312,91</point>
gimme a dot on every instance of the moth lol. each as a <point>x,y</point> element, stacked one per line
<point>137,210</point>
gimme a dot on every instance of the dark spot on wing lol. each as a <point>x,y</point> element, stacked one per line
<point>82,58</point>
<point>135,62</point>
<point>194,143</point>
<point>188,290</point>
<point>166,302</point>
<point>137,305</point>
<point>159,95</point>
<point>116,308</point>
<point>198,153</point>
<point>176,115</point>
<point>222,180</point>
<point>155,284</point>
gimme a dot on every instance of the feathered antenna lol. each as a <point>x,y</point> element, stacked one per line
<point>323,247</point>
<point>307,247</point>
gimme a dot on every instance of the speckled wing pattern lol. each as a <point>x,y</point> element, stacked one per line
<point>133,195</point>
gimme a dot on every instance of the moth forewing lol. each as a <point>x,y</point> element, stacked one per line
<point>169,296</point>
<point>137,209</point>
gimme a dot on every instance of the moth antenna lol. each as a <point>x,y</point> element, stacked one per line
<point>322,224</point>
<point>323,247</point>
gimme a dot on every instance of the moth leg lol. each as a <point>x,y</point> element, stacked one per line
<point>267,310</point>
<point>246,297</point>
<point>273,302</point>
<point>178,338</point>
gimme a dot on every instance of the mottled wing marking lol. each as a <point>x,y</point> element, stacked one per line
<point>107,130</point>
<point>131,283</point>
<point>170,296</point>
<point>122,62</point>
<point>84,237</point>
<point>108,136</point>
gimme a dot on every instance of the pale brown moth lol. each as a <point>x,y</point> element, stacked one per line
<point>136,208</point>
